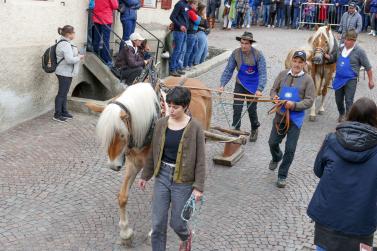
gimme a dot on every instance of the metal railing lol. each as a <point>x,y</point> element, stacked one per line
<point>320,14</point>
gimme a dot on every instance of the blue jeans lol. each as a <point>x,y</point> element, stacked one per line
<point>202,50</point>
<point>290,145</point>
<point>166,192</point>
<point>101,36</point>
<point>296,16</point>
<point>318,248</point>
<point>287,14</point>
<point>255,14</point>
<point>247,20</point>
<point>365,21</point>
<point>180,44</point>
<point>192,39</point>
<point>128,29</point>
<point>280,17</point>
<point>266,14</point>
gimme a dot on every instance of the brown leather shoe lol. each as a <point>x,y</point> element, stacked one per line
<point>341,118</point>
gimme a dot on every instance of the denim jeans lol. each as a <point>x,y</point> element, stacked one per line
<point>61,97</point>
<point>238,107</point>
<point>318,248</point>
<point>287,14</point>
<point>128,29</point>
<point>373,21</point>
<point>346,95</point>
<point>101,42</point>
<point>166,192</point>
<point>290,145</point>
<point>179,46</point>
<point>280,17</point>
<point>202,48</point>
<point>191,41</point>
<point>255,14</point>
<point>247,20</point>
<point>266,13</point>
<point>365,21</point>
<point>296,16</point>
<point>89,40</point>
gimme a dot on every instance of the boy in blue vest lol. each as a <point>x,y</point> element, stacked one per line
<point>297,88</point>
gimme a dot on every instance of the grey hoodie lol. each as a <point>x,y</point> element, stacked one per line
<point>349,22</point>
<point>69,66</point>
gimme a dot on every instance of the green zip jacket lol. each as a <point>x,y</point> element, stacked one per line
<point>190,163</point>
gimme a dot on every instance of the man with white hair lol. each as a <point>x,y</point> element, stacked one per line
<point>130,61</point>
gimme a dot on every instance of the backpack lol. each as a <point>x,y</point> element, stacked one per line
<point>49,60</point>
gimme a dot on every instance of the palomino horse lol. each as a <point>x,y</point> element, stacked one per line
<point>320,43</point>
<point>127,122</point>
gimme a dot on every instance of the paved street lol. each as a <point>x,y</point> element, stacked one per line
<point>57,193</point>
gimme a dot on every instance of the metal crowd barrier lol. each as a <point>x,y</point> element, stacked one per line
<point>319,14</point>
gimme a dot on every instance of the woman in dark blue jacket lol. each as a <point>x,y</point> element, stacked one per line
<point>344,204</point>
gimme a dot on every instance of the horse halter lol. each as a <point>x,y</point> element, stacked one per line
<point>127,121</point>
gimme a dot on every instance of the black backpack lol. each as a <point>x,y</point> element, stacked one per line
<point>49,60</point>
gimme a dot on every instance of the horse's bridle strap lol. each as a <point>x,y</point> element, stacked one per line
<point>127,121</point>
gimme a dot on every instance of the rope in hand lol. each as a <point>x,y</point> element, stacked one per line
<point>191,211</point>
<point>285,117</point>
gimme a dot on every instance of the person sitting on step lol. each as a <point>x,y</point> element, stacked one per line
<point>130,61</point>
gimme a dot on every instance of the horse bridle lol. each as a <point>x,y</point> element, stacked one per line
<point>127,121</point>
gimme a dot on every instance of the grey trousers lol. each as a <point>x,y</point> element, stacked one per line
<point>167,192</point>
<point>346,95</point>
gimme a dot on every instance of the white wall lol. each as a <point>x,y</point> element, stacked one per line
<point>27,28</point>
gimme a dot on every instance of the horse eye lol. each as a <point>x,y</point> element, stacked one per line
<point>122,136</point>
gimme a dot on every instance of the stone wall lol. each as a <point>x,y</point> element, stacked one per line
<point>28,27</point>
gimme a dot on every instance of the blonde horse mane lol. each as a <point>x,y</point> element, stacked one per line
<point>140,99</point>
<point>327,34</point>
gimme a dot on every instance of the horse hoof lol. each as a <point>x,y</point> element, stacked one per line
<point>126,235</point>
<point>312,118</point>
<point>115,168</point>
<point>321,112</point>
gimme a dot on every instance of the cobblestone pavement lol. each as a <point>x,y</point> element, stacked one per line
<point>57,194</point>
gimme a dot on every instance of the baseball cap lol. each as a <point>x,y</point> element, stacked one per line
<point>136,36</point>
<point>300,54</point>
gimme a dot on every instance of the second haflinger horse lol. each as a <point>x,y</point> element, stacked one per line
<point>322,42</point>
<point>126,124</point>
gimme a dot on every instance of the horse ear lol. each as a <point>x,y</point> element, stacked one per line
<point>328,28</point>
<point>316,27</point>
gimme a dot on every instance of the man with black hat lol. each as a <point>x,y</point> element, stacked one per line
<point>251,79</point>
<point>351,20</point>
<point>297,89</point>
<point>350,59</point>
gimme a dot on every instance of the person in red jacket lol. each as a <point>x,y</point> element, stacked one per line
<point>103,19</point>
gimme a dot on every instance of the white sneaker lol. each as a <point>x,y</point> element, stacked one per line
<point>273,26</point>
<point>165,55</point>
<point>248,26</point>
<point>374,34</point>
<point>243,26</point>
<point>269,26</point>
<point>371,32</point>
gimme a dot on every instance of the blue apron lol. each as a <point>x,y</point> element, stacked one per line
<point>248,75</point>
<point>292,93</point>
<point>343,73</point>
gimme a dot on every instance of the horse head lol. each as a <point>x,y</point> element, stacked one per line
<point>126,121</point>
<point>321,42</point>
